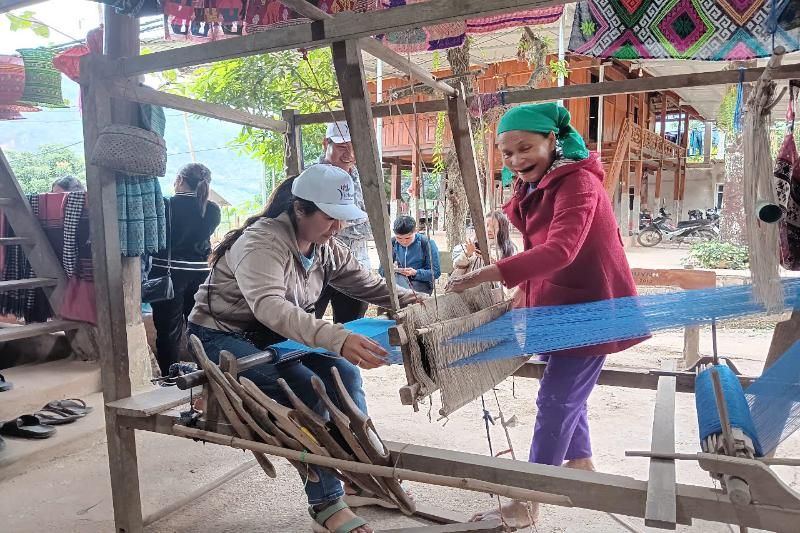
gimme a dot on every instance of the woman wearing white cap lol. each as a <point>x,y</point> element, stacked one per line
<point>264,282</point>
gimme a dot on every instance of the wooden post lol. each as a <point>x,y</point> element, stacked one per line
<point>396,193</point>
<point>355,99</point>
<point>111,320</point>
<point>491,151</point>
<point>660,170</point>
<point>676,183</point>
<point>660,507</point>
<point>294,143</point>
<point>457,114</point>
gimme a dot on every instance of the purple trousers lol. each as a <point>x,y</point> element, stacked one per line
<point>562,424</point>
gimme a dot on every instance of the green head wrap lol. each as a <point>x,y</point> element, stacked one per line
<point>546,118</point>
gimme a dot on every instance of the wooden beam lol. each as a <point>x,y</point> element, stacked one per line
<point>101,186</point>
<point>11,5</point>
<point>294,144</point>
<point>458,116</point>
<point>345,26</point>
<point>349,67</point>
<point>137,92</point>
<point>585,90</point>
<point>587,490</point>
<point>660,508</point>
<point>632,379</point>
<point>375,49</point>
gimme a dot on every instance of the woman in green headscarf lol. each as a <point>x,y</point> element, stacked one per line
<point>573,254</point>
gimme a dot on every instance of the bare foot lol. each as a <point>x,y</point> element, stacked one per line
<point>342,517</point>
<point>581,464</point>
<point>516,514</point>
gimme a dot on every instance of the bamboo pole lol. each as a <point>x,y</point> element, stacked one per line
<point>375,470</point>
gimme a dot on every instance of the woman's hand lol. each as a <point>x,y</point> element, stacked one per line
<point>407,272</point>
<point>473,279</point>
<point>469,248</point>
<point>364,352</point>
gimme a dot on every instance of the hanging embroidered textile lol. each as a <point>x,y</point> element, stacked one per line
<point>12,79</point>
<point>453,34</point>
<point>787,184</point>
<point>42,80</point>
<point>68,61</point>
<point>711,30</point>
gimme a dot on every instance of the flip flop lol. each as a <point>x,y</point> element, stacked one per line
<point>2,444</point>
<point>5,385</point>
<point>70,406</point>
<point>52,417</point>
<point>27,427</point>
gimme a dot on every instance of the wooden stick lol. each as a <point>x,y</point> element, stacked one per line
<point>196,494</point>
<point>772,461</point>
<point>375,470</point>
<point>722,408</point>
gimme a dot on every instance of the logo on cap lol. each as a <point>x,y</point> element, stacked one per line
<point>344,192</point>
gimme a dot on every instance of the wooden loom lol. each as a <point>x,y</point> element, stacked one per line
<point>661,501</point>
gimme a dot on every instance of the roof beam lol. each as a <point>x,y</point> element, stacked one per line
<point>137,92</point>
<point>376,49</point>
<point>606,88</point>
<point>342,27</point>
<point>11,5</point>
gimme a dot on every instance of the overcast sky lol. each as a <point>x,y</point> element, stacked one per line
<point>72,17</point>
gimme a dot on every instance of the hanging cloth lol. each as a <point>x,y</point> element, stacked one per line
<point>787,184</point>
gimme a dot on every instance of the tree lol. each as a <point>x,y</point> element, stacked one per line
<point>36,171</point>
<point>266,85</point>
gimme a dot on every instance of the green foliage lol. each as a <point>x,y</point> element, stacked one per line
<point>265,85</point>
<point>559,68</point>
<point>36,171</point>
<point>25,21</point>
<point>726,110</point>
<point>717,254</point>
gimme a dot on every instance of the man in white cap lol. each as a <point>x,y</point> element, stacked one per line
<point>339,152</point>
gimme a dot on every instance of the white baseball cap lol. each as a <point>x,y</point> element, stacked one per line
<point>331,188</point>
<point>338,132</point>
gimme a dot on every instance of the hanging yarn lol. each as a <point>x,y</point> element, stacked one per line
<point>539,330</point>
<point>737,109</point>
<point>774,400</point>
<point>708,419</point>
<point>759,192</point>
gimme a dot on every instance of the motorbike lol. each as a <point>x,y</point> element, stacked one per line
<point>687,231</point>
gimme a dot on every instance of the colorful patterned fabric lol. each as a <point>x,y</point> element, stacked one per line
<point>453,34</point>
<point>142,223</point>
<point>42,80</point>
<point>12,79</point>
<point>787,187</point>
<point>711,30</point>
<point>68,62</point>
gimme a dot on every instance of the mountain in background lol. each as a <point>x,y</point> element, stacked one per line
<point>236,177</point>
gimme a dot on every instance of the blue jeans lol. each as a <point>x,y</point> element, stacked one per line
<point>298,375</point>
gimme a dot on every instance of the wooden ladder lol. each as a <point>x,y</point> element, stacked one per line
<point>619,160</point>
<point>28,234</point>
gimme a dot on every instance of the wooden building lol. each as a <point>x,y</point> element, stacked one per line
<point>623,126</point>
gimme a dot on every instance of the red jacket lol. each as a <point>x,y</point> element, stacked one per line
<point>573,248</point>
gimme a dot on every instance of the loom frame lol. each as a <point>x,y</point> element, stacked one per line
<point>109,84</point>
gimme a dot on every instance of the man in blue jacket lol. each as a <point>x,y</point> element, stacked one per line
<point>416,257</point>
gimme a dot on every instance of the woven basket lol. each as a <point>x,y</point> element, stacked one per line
<point>131,150</point>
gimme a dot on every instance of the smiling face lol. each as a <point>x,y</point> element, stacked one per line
<point>527,154</point>
<point>339,154</point>
<point>491,228</point>
<point>317,227</point>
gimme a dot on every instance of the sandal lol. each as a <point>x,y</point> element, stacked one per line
<point>5,385</point>
<point>27,427</point>
<point>70,406</point>
<point>323,516</point>
<point>52,417</point>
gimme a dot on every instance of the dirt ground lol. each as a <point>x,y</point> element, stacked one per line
<point>72,494</point>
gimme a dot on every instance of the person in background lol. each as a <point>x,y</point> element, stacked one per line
<point>355,234</point>
<point>573,254</point>
<point>191,220</point>
<point>67,184</point>
<point>416,257</point>
<point>468,257</point>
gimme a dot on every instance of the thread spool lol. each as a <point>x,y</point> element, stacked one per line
<point>738,411</point>
<point>768,212</point>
